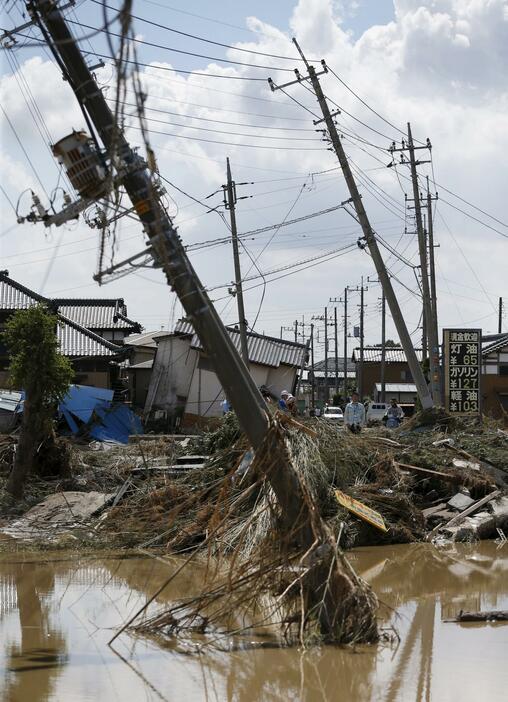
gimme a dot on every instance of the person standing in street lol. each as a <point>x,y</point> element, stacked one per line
<point>354,415</point>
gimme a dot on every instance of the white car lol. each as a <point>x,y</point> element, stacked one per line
<point>376,411</point>
<point>333,414</point>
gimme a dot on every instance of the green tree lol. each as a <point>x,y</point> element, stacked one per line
<point>44,374</point>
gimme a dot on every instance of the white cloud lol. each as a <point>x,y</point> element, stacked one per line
<point>440,65</point>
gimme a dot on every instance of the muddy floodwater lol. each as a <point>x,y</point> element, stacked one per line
<point>58,611</point>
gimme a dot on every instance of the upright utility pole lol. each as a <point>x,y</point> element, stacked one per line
<point>428,322</point>
<point>432,261</point>
<point>336,350</point>
<point>362,338</point>
<point>327,394</point>
<point>383,348</point>
<point>345,344</point>
<point>313,384</point>
<point>230,202</point>
<point>368,233</point>
<point>361,290</point>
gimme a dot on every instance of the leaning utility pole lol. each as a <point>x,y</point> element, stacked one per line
<point>368,233</point>
<point>230,203</point>
<point>429,324</point>
<point>166,246</point>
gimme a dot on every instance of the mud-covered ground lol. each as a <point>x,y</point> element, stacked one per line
<point>164,509</point>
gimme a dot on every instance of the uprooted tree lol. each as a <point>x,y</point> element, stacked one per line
<point>44,374</point>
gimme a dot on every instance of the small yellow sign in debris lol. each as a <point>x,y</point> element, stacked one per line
<point>366,513</point>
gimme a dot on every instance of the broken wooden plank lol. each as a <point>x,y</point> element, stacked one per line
<point>287,419</point>
<point>432,510</point>
<point>469,510</point>
<point>492,616</point>
<point>429,473</point>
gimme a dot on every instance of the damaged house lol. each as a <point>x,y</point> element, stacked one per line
<point>184,388</point>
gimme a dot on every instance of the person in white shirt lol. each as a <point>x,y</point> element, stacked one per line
<point>354,414</point>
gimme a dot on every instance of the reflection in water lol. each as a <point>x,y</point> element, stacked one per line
<point>57,616</point>
<point>34,659</point>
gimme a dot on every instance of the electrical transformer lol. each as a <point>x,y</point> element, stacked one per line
<point>82,163</point>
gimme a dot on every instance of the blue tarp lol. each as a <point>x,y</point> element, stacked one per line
<point>81,400</point>
<point>105,420</point>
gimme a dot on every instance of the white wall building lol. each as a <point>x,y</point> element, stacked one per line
<point>184,382</point>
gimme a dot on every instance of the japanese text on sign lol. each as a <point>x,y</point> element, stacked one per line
<point>462,356</point>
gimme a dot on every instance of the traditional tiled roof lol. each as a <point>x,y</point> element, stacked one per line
<point>265,350</point>
<point>75,340</point>
<point>95,314</point>
<point>98,313</point>
<point>496,345</point>
<point>394,354</point>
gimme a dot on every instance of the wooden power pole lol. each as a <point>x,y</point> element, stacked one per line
<point>368,232</point>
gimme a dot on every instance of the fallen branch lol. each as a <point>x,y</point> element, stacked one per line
<point>430,473</point>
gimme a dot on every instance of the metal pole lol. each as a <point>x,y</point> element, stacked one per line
<point>360,379</point>
<point>336,351</point>
<point>231,201</point>
<point>345,345</point>
<point>370,239</point>
<point>422,246</point>
<point>432,262</point>
<point>313,385</point>
<point>327,394</point>
<point>383,348</point>
<point>168,249</point>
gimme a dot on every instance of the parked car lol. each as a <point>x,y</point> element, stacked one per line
<point>376,411</point>
<point>333,414</point>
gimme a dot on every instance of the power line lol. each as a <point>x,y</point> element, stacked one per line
<point>203,39</point>
<point>384,119</point>
<point>220,109</point>
<point>24,151</point>
<point>222,131</point>
<point>218,121</point>
<point>229,143</point>
<point>185,71</point>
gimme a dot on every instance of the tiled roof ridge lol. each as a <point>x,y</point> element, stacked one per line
<point>92,335</point>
